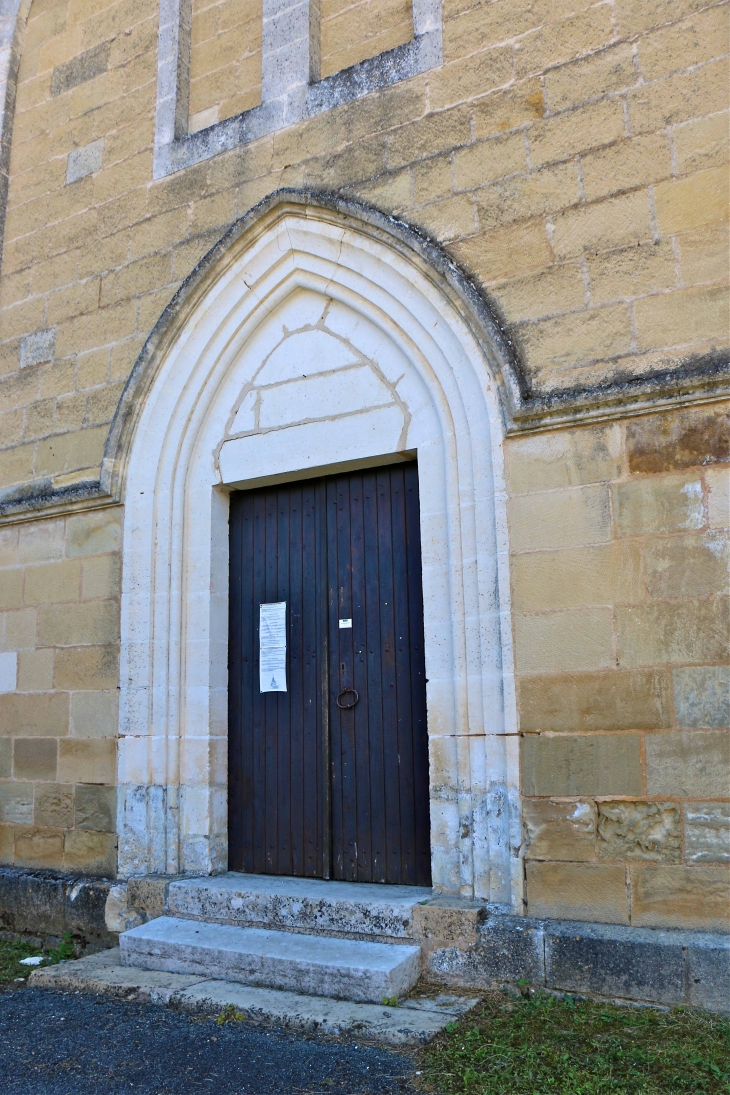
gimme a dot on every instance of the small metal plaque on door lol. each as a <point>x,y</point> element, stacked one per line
<point>345,623</point>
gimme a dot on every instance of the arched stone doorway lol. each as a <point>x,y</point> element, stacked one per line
<point>314,338</point>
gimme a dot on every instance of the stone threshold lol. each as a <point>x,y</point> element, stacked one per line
<point>415,1021</point>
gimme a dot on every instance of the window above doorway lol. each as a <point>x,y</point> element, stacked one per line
<point>230,72</point>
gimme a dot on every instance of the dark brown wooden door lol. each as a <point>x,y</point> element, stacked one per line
<point>330,778</point>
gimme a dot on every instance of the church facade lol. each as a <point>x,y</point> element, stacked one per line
<point>364,452</point>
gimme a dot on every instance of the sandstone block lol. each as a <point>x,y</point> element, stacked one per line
<point>448,219</point>
<point>41,715</point>
<point>562,40</point>
<point>567,341</point>
<point>718,500</point>
<point>608,70</point>
<point>6,758</point>
<point>678,98</point>
<point>432,134</point>
<point>702,696</point>
<point>614,699</point>
<point>470,77</point>
<point>707,832</point>
<point>701,144</point>
<point>7,844</point>
<point>35,758</point>
<point>485,161</point>
<point>39,848</point>
<point>687,315</point>
<point>508,109</point>
<point>11,588</point>
<point>94,714</point>
<point>16,802</point>
<point>95,808</point>
<point>603,225</point>
<point>563,641</point>
<point>54,806</point>
<point>632,271</point>
<point>70,451</point>
<point>432,179</point>
<point>628,163</point>
<point>89,623</point>
<point>504,251</point>
<point>608,574</point>
<point>687,566</point>
<point>85,667</point>
<point>88,852</point>
<point>573,891</point>
<point>694,897</point>
<point>695,763</point>
<point>100,579</point>
<point>668,442</point>
<point>671,503</point>
<point>580,766</point>
<point>565,458</point>
<point>53,583</point>
<point>575,131</point>
<point>679,631</point>
<point>87,761</point>
<point>21,629</point>
<point>559,830</point>
<point>559,519</point>
<point>693,40</point>
<point>639,830</point>
<point>557,289</point>
<point>520,197</point>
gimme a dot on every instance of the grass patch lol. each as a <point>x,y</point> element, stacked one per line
<point>543,1045</point>
<point>12,951</point>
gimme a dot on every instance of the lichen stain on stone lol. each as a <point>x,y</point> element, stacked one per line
<point>639,830</point>
<point>669,442</point>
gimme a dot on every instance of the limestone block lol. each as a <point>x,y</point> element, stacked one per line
<point>577,891</point>
<point>85,161</point>
<point>632,271</point>
<point>100,577</point>
<point>696,763</point>
<point>692,315</point>
<point>8,671</point>
<point>91,622</point>
<point>86,667</point>
<point>39,715</point>
<point>664,896</point>
<point>95,808</point>
<point>21,629</point>
<point>613,699</point>
<point>561,641</point>
<point>149,894</point>
<point>7,844</point>
<point>671,503</point>
<point>682,439</point>
<point>559,519</point>
<point>702,696</point>
<point>707,832</point>
<point>79,69</point>
<point>718,501</point>
<point>6,758</point>
<point>608,70</point>
<point>600,764</point>
<point>118,916</point>
<point>38,347</point>
<point>93,533</point>
<point>92,853</point>
<point>39,848</point>
<point>335,394</point>
<point>41,541</point>
<point>607,574</point>
<point>11,588</point>
<point>673,631</point>
<point>54,806</point>
<point>688,566</point>
<point>87,761</point>
<point>53,583</point>
<point>94,714</point>
<point>559,830</point>
<point>639,830</point>
<point>35,758</point>
<point>16,802</point>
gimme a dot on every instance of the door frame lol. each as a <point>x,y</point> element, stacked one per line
<point>183,455</point>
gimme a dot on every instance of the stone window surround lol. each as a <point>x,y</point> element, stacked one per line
<point>291,90</point>
<point>179,458</point>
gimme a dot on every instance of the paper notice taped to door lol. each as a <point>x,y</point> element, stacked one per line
<point>272,647</point>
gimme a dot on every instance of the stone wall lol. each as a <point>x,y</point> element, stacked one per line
<point>59,637</point>
<point>619,579</point>
<point>573,159</point>
<point>352,32</point>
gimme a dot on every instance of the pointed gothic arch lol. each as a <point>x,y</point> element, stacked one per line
<point>413,363</point>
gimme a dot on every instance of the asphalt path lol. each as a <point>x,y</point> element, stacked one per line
<point>75,1044</point>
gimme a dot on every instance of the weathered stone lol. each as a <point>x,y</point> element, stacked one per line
<point>90,853</point>
<point>39,847</point>
<point>707,832</point>
<point>93,533</point>
<point>687,566</point>
<point>639,830</point>
<point>6,758</point>
<point>45,903</point>
<point>95,808</point>
<point>708,971</point>
<point>702,696</point>
<point>578,638</point>
<point>38,347</point>
<point>696,897</point>
<point>578,891</point>
<point>670,503</point>
<point>695,763</point>
<point>666,442</point>
<point>35,758</point>
<point>16,802</point>
<point>85,161</point>
<point>578,766</point>
<point>638,699</point>
<point>559,830</point>
<point>507,949</point>
<point>40,714</point>
<point>80,69</point>
<point>673,631</point>
<point>568,458</point>
<point>149,894</point>
<point>54,805</point>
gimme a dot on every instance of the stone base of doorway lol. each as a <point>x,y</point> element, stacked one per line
<point>413,1022</point>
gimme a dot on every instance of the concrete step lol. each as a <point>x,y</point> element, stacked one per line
<point>415,1021</point>
<point>345,969</point>
<point>300,904</point>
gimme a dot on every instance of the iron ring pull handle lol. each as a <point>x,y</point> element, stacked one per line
<point>347,706</point>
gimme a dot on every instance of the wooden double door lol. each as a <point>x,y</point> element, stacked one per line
<point>329,779</point>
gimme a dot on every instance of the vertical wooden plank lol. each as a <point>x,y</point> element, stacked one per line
<point>353,639</point>
<point>374,667</point>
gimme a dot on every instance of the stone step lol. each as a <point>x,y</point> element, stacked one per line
<point>345,969</point>
<point>414,1022</point>
<point>300,904</point>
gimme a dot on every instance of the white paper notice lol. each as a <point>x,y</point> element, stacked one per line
<point>272,647</point>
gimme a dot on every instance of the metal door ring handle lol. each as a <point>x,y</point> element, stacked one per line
<point>347,706</point>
